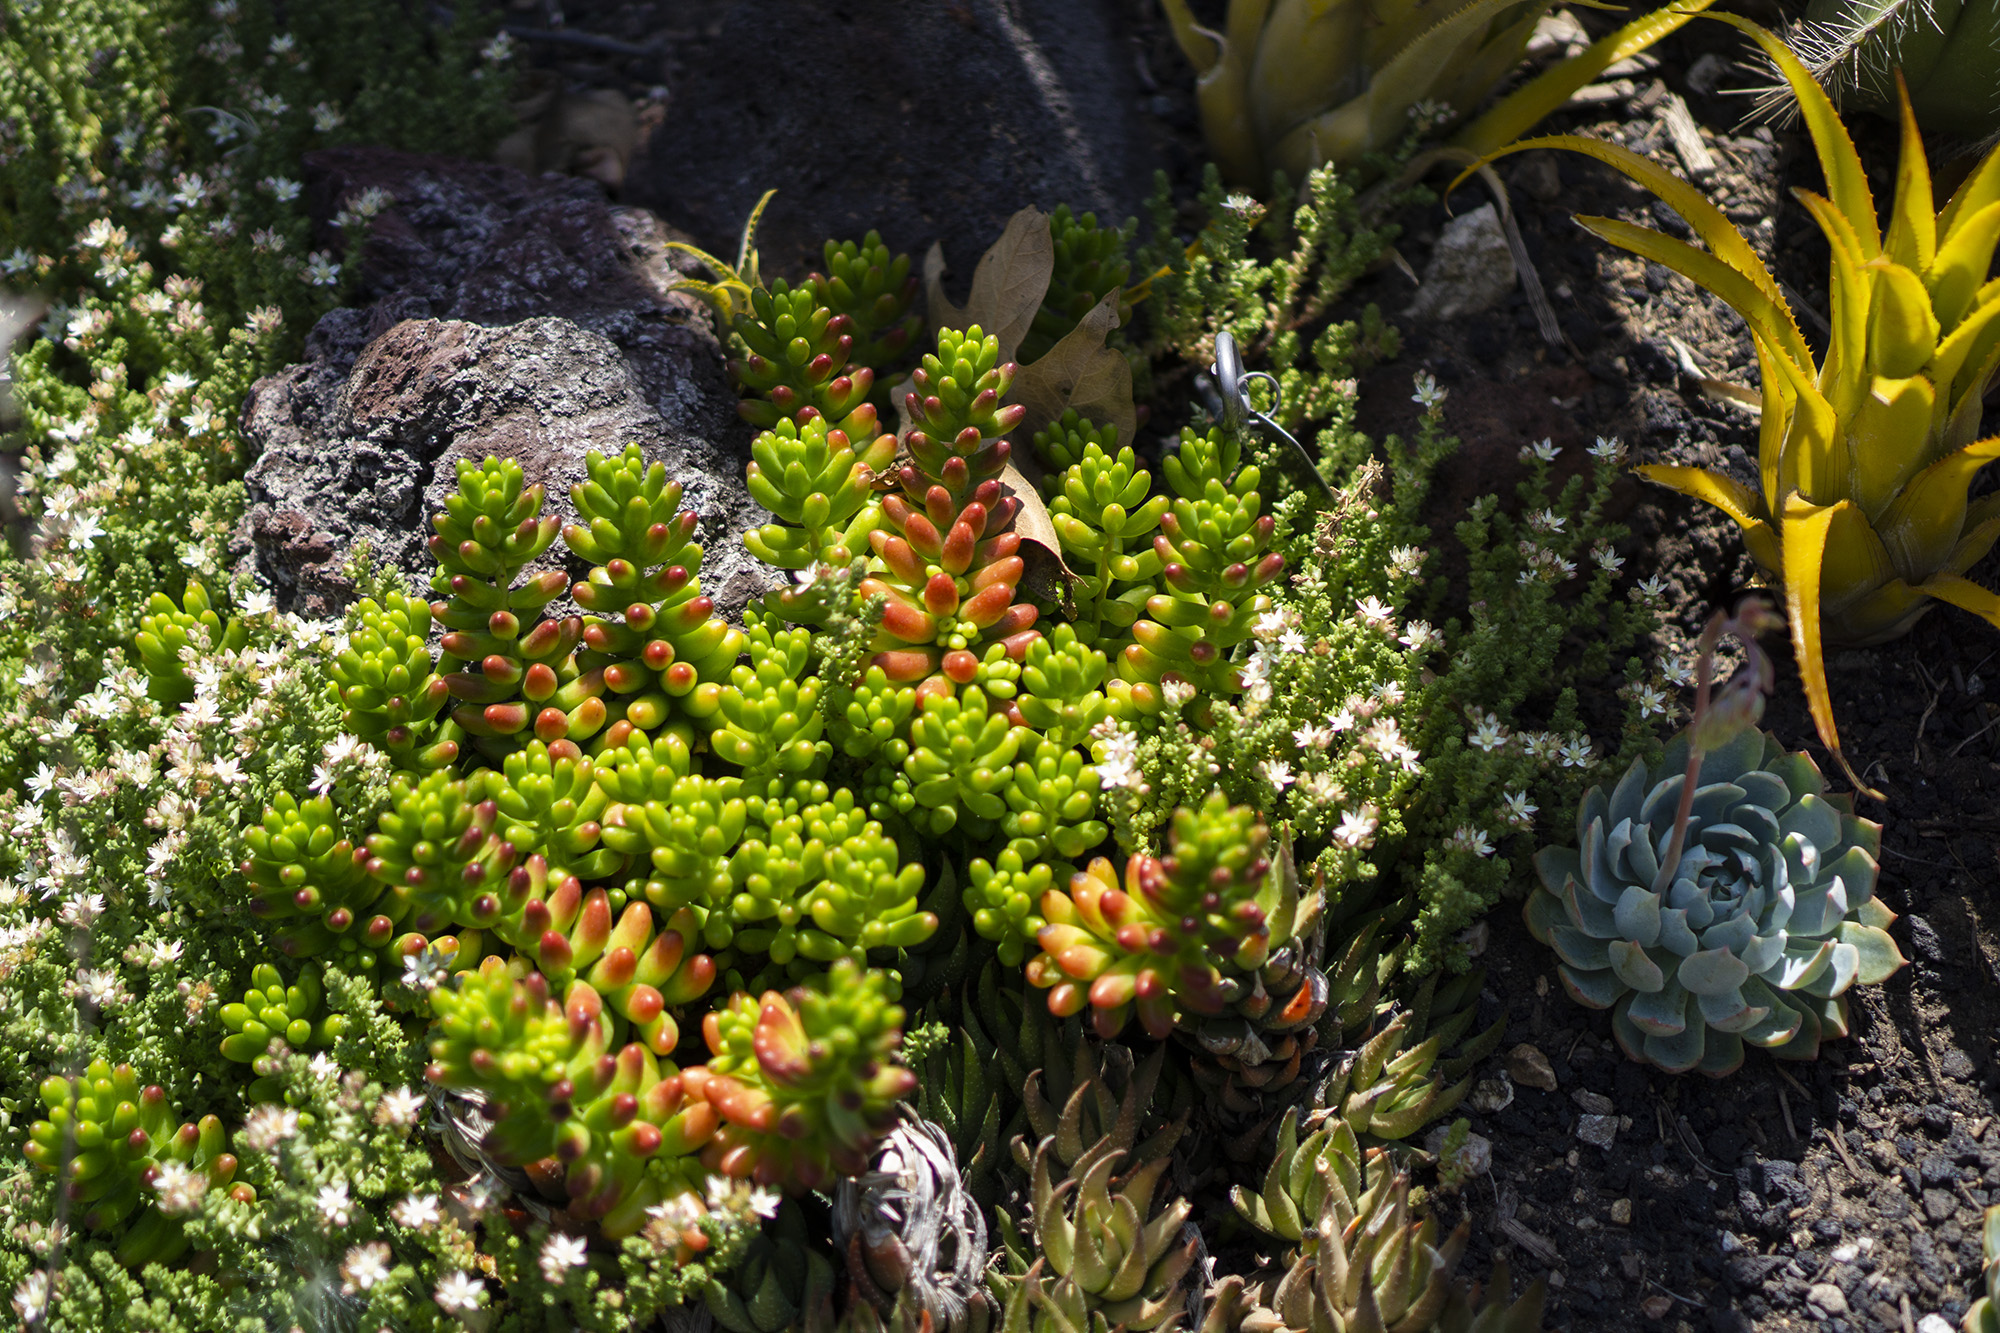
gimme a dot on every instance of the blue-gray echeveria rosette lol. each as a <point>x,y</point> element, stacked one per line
<point>1770,918</point>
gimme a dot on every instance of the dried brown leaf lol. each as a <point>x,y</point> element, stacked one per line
<point>1080,372</point>
<point>1007,287</point>
<point>1048,576</point>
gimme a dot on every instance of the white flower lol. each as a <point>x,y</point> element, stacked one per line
<point>179,1188</point>
<point>43,780</point>
<point>1375,613</point>
<point>1675,673</point>
<point>1517,809</point>
<point>282,44</point>
<point>200,421</point>
<point>765,1201</point>
<point>322,782</point>
<point>1418,636</point>
<point>1312,736</point>
<point>176,383</point>
<point>1271,624</point>
<point>1177,691</point>
<point>1546,520</point>
<point>1357,828</point>
<point>281,188</point>
<point>1576,751</point>
<point>269,1125</point>
<point>1277,772</point>
<point>459,1293</point>
<point>1428,396</point>
<point>1321,788</point>
<point>1656,586</point>
<point>85,529</point>
<point>161,953</point>
<point>1608,560</point>
<point>497,50</point>
<point>326,117</point>
<point>1342,718</point>
<point>399,1107</point>
<point>321,271</point>
<point>1652,701</point>
<point>364,1266</point>
<point>323,1067</point>
<point>1405,561</point>
<point>416,1212</point>
<point>31,1298</point>
<point>1118,770</point>
<point>1608,450</point>
<point>1470,839</point>
<point>1546,450</point>
<point>561,1253</point>
<point>333,1204</point>
<point>83,909</point>
<point>1488,735</point>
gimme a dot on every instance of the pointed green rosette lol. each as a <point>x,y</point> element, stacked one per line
<point>1757,934</point>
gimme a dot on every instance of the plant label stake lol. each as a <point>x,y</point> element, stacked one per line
<point>1238,411</point>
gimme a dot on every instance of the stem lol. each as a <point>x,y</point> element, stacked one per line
<point>1704,679</point>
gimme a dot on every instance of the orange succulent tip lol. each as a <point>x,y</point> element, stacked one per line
<point>905,666</point>
<point>933,687</point>
<point>962,667</point>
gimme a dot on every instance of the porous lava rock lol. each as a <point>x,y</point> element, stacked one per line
<point>498,315</point>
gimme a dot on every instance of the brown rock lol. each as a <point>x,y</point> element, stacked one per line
<point>1527,1065</point>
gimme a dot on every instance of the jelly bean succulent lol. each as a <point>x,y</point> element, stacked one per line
<point>1862,515</point>
<point>1719,898</point>
<point>1984,1316</point>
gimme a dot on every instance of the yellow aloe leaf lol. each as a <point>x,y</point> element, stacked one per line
<point>1980,188</point>
<point>1846,182</point>
<point>1969,345</point>
<point>1886,445</point>
<point>1221,88</point>
<point>1982,529</point>
<point>1202,46</point>
<point>1743,505</point>
<point>1306,55</point>
<point>1773,427</point>
<point>1886,613</point>
<point>1961,265</point>
<point>1376,117</point>
<point>1767,318</point>
<point>1805,526</point>
<point>1912,238</point>
<point>1855,563</point>
<point>1926,521</point>
<point>1709,223</point>
<point>1488,65</point>
<point>1807,460</point>
<point>1961,418</point>
<point>1521,110</point>
<point>1843,374</point>
<point>1902,331</point>
<point>1963,593</point>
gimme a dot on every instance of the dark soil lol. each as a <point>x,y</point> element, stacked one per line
<point>1841,1194</point>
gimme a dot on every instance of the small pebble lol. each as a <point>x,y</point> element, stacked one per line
<point>1656,1307</point>
<point>1491,1094</point>
<point>1621,1212</point>
<point>1827,1299</point>
<point>1931,1323</point>
<point>1598,1131</point>
<point>1526,1064</point>
<point>1596,1103</point>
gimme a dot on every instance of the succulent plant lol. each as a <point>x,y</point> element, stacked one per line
<point>798,362</point>
<point>1865,455</point>
<point>1213,548</point>
<point>387,684</point>
<point>875,290</point>
<point>806,1081</point>
<point>1100,1099</point>
<point>272,1012</point>
<point>782,1280</point>
<point>653,646</point>
<point>819,483</point>
<point>1753,933</point>
<point>947,561</point>
<point>1288,85</point>
<point>1984,1316</point>
<point>1101,504</point>
<point>912,1235</point>
<point>1943,49</point>
<point>1090,262</point>
<point>604,1129</point>
<point>165,629</point>
<point>1208,941</point>
<point>120,1152</point>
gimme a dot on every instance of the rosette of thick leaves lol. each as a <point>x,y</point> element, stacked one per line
<point>387,685</point>
<point>165,630</point>
<point>1768,919</point>
<point>272,1011</point>
<point>805,1081</point>
<point>874,289</point>
<point>798,358</point>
